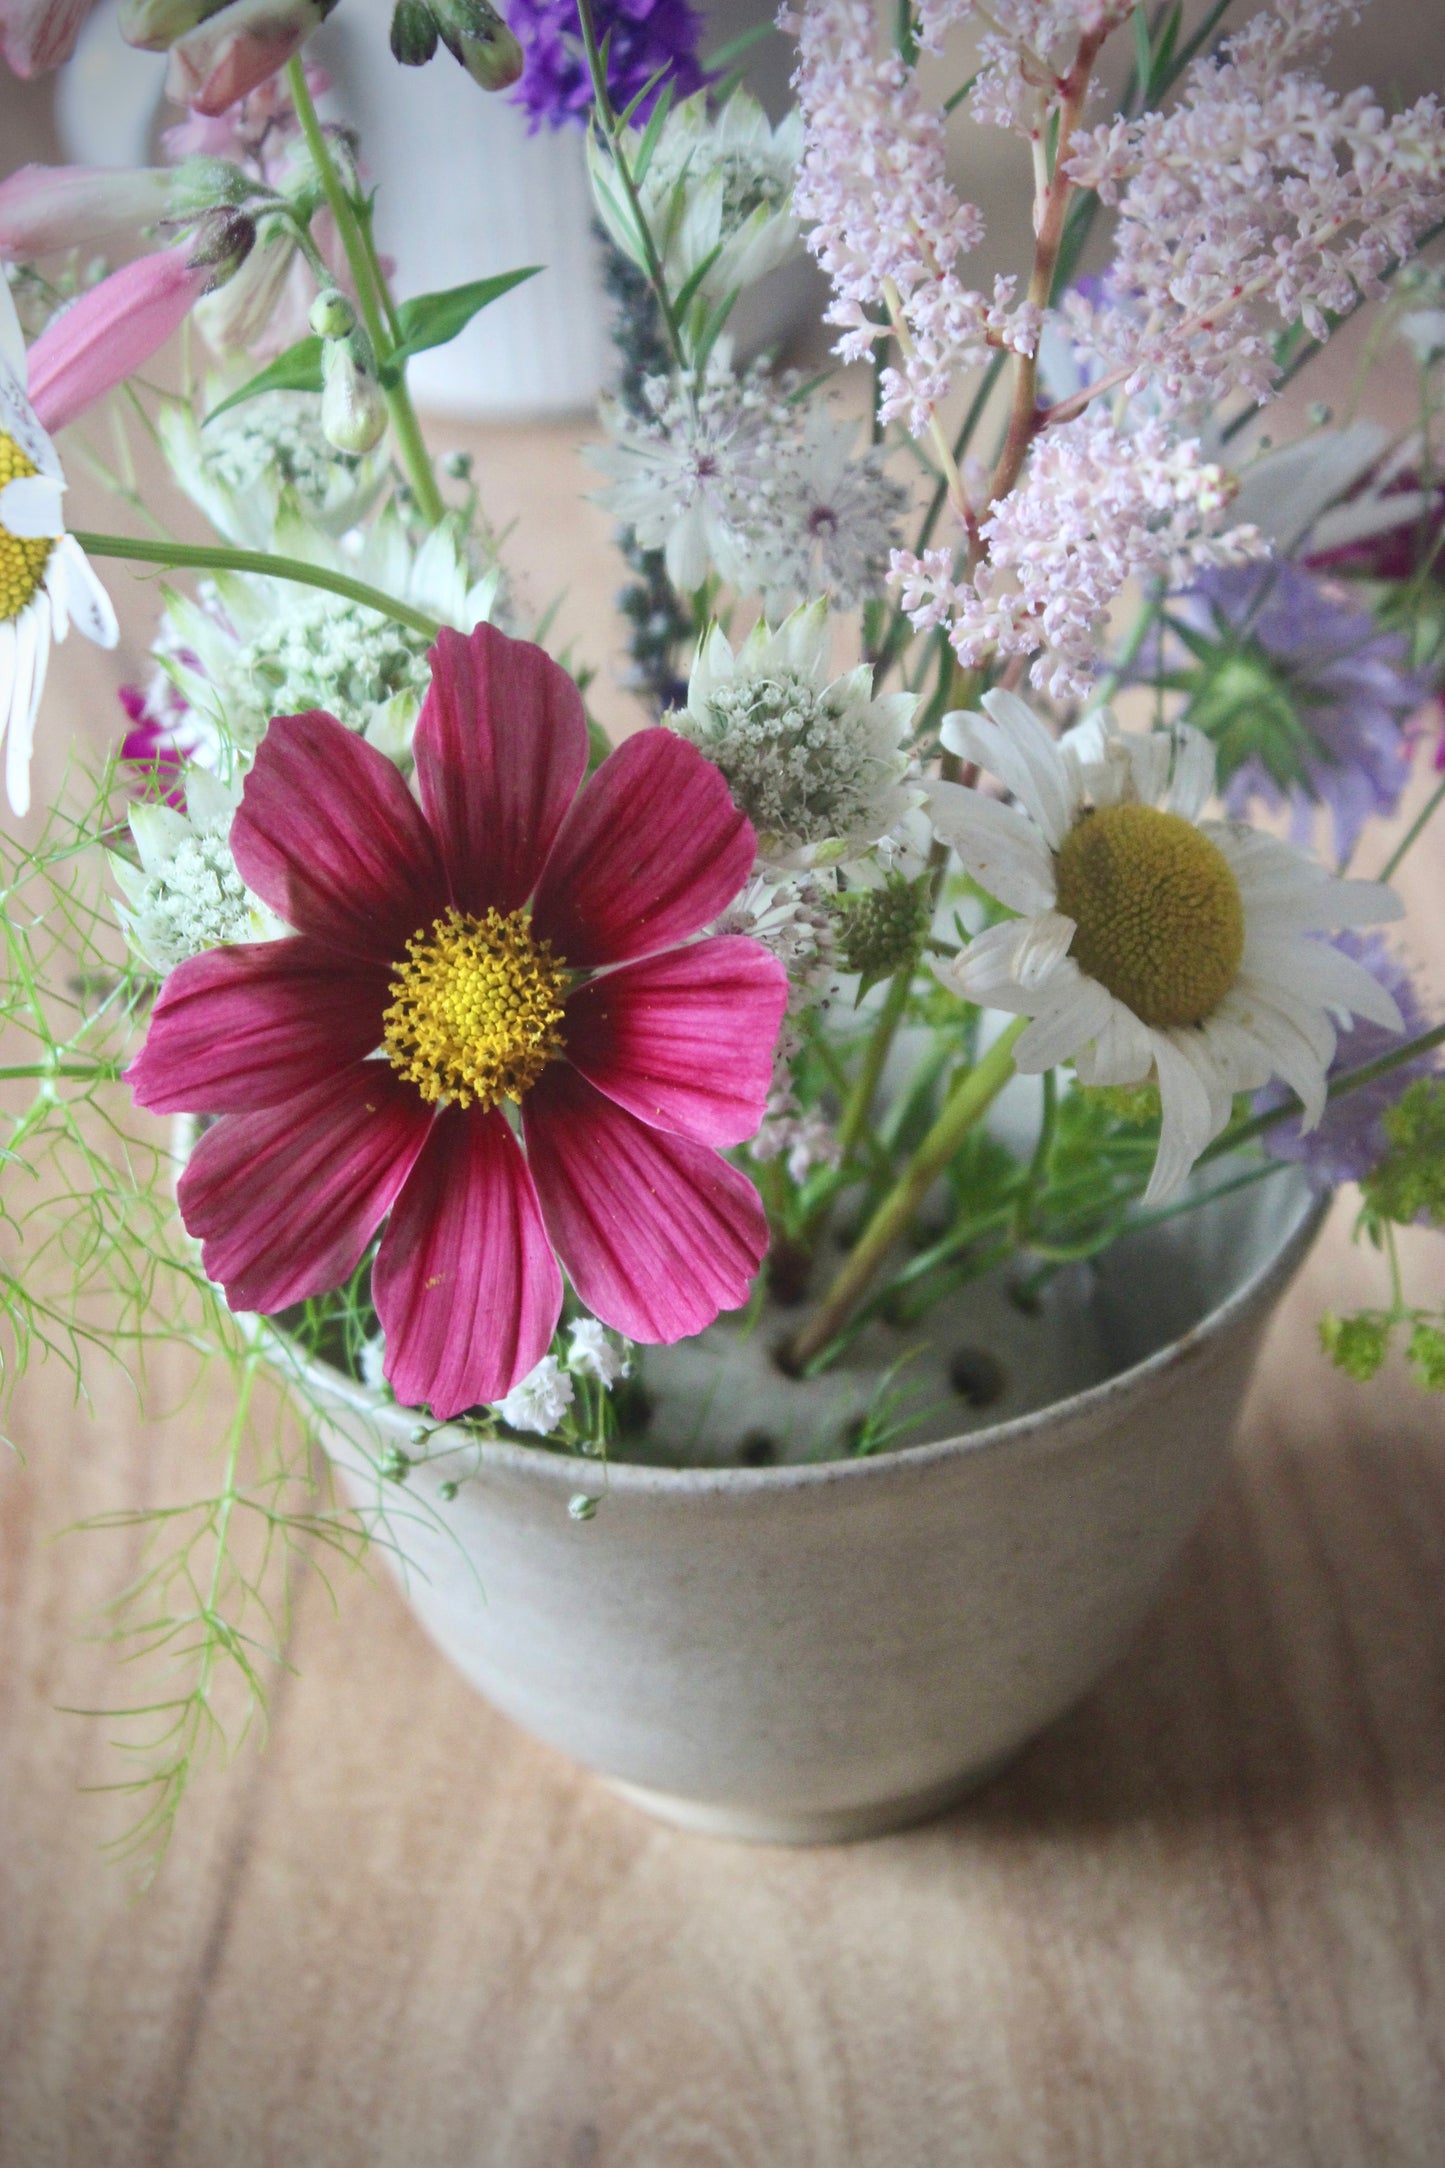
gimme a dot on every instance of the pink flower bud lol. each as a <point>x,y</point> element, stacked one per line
<point>46,207</point>
<point>111,331</point>
<point>39,34</point>
<point>233,51</point>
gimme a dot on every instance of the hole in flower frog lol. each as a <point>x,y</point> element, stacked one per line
<point>977,1377</point>
<point>757,1449</point>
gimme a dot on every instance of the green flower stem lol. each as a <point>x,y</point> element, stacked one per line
<point>41,1072</point>
<point>212,557</point>
<point>970,1099</point>
<point>859,1104</point>
<point>366,277</point>
<point>1415,830</point>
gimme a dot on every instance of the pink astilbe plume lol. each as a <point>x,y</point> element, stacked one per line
<point>1260,200</point>
<point>663,1054</point>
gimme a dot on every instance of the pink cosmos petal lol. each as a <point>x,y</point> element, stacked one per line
<point>285,1200</point>
<point>238,1028</point>
<point>684,1041</point>
<point>653,849</point>
<point>657,1233</point>
<point>329,835</point>
<point>110,331</point>
<point>465,1283</point>
<point>501,746</point>
<point>38,34</point>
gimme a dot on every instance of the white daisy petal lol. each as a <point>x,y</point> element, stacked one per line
<point>1122,1052</point>
<point>32,648</point>
<point>1212,1073</point>
<point>86,603</point>
<point>1185,1129</point>
<point>1192,783</point>
<point>1303,1060</point>
<point>998,845</point>
<point>12,338</point>
<point>1065,1026</point>
<point>1150,753</point>
<point>7,672</point>
<point>985,971</point>
<point>1028,762</point>
<point>1319,971</point>
<point>1270,997</point>
<point>30,507</point>
<point>1043,942</point>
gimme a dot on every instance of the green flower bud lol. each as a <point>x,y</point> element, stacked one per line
<point>881,929</point>
<point>222,239</point>
<point>474,34</point>
<point>332,315</point>
<point>581,1507</point>
<point>413,33</point>
<point>208,184</point>
<point>353,412</point>
<point>1356,1345</point>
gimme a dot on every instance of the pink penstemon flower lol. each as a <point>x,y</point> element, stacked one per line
<point>36,35</point>
<point>508,939</point>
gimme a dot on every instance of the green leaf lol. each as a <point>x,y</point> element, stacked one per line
<point>298,369</point>
<point>651,136</point>
<point>695,279</point>
<point>1143,48</point>
<point>432,319</point>
<point>634,105</point>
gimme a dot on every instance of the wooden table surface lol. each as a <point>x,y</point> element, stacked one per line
<point>1202,1921</point>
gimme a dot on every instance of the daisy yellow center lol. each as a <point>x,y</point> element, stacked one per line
<point>1159,914</point>
<point>22,560</point>
<point>476,1008</point>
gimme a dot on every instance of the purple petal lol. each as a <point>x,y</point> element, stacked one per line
<point>241,1028</point>
<point>501,746</point>
<point>329,835</point>
<point>685,1040</point>
<point>653,850</point>
<point>284,1201</point>
<point>657,1233</point>
<point>465,1284</point>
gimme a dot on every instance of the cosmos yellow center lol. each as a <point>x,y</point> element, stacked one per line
<point>476,1009</point>
<point>22,561</point>
<point>1159,915</point>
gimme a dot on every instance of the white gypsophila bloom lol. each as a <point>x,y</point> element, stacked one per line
<point>46,583</point>
<point>255,647</point>
<point>716,188</point>
<point>834,525</point>
<point>240,468</point>
<point>1152,944</point>
<point>541,1399</point>
<point>695,476</point>
<point>186,895</point>
<point>817,766</point>
<point>593,1355</point>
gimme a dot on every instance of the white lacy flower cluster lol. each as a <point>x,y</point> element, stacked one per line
<point>1262,198</point>
<point>818,766</point>
<point>241,468</point>
<point>726,474</point>
<point>1095,510</point>
<point>186,894</point>
<point>539,1401</point>
<point>886,224</point>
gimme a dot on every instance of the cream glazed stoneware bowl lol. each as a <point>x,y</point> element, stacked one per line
<point>805,1654</point>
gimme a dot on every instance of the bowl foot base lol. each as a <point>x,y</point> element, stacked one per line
<point>827,1825</point>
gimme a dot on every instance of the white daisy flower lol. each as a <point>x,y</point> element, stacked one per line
<point>46,583</point>
<point>1151,944</point>
<point>818,767</point>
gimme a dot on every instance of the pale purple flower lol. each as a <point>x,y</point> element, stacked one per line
<point>1350,1139</point>
<point>647,35</point>
<point>1334,695</point>
<point>1259,199</point>
<point>1095,509</point>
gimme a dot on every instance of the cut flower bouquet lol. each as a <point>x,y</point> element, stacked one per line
<point>963,905</point>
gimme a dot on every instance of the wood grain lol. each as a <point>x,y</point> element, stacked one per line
<point>1201,1921</point>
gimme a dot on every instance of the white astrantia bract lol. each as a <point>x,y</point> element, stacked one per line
<point>818,766</point>
<point>715,192</point>
<point>1151,944</point>
<point>46,583</point>
<point>540,1400</point>
<point>255,647</point>
<point>243,467</point>
<point>186,894</point>
<point>833,525</point>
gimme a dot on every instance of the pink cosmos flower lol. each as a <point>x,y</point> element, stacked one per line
<point>633,1050</point>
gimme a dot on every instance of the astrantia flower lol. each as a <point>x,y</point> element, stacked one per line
<point>643,39</point>
<point>186,894</point>
<point>1351,1140</point>
<point>46,583</point>
<point>833,523</point>
<point>1152,944</point>
<point>498,942</point>
<point>242,467</point>
<point>817,767</point>
<point>1302,694</point>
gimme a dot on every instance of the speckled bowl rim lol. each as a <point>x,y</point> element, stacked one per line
<point>569,1472</point>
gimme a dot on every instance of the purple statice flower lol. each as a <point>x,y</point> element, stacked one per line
<point>1305,697</point>
<point>1350,1139</point>
<point>647,35</point>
